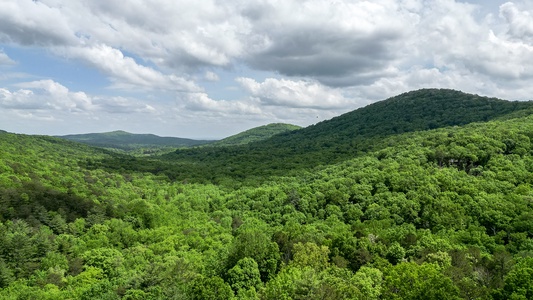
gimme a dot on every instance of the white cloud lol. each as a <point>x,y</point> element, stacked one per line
<point>28,22</point>
<point>419,77</point>
<point>200,102</point>
<point>180,35</point>
<point>520,22</point>
<point>48,95</point>
<point>453,48</point>
<point>339,43</point>
<point>36,117</point>
<point>21,99</point>
<point>211,76</point>
<point>125,72</point>
<point>283,92</point>
<point>168,34</point>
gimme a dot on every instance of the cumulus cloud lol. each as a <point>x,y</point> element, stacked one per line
<point>288,93</point>
<point>339,43</point>
<point>44,94</point>
<point>520,22</point>
<point>168,34</point>
<point>180,34</point>
<point>48,95</point>
<point>211,76</point>
<point>21,99</point>
<point>449,38</point>
<point>125,72</point>
<point>201,102</point>
<point>34,23</point>
<point>35,116</point>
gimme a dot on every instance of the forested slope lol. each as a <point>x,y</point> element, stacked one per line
<point>332,141</point>
<point>439,214</point>
<point>255,134</point>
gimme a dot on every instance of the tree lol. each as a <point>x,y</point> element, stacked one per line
<point>210,288</point>
<point>244,275</point>
<point>519,282</point>
<point>413,281</point>
<point>312,255</point>
<point>252,241</point>
<point>395,253</point>
<point>107,259</point>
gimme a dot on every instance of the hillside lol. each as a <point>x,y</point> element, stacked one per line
<point>255,134</point>
<point>342,137</point>
<point>439,214</point>
<point>423,109</point>
<point>129,141</point>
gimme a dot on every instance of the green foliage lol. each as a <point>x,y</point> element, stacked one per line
<point>518,282</point>
<point>252,241</point>
<point>244,275</point>
<point>317,213</point>
<point>345,136</point>
<point>210,288</point>
<point>333,283</point>
<point>395,253</point>
<point>412,281</point>
<point>311,255</point>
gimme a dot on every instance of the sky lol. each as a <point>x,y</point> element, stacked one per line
<point>212,68</point>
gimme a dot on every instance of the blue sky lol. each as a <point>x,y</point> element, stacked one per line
<point>210,69</point>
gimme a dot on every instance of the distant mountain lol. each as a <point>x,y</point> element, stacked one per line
<point>129,141</point>
<point>256,134</point>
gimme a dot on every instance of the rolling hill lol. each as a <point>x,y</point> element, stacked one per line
<point>129,141</point>
<point>351,134</point>
<point>255,134</point>
<point>423,109</point>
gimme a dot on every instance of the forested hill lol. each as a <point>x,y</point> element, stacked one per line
<point>130,141</point>
<point>412,111</point>
<point>353,133</point>
<point>255,134</point>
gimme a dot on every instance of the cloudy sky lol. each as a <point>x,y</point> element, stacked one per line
<point>213,68</point>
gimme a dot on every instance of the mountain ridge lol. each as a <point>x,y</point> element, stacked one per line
<point>355,132</point>
<point>123,140</point>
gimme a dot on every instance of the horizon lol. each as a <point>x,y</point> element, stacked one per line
<point>222,68</point>
<point>261,125</point>
<point>301,127</point>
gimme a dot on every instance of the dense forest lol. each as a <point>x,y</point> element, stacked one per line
<point>427,195</point>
